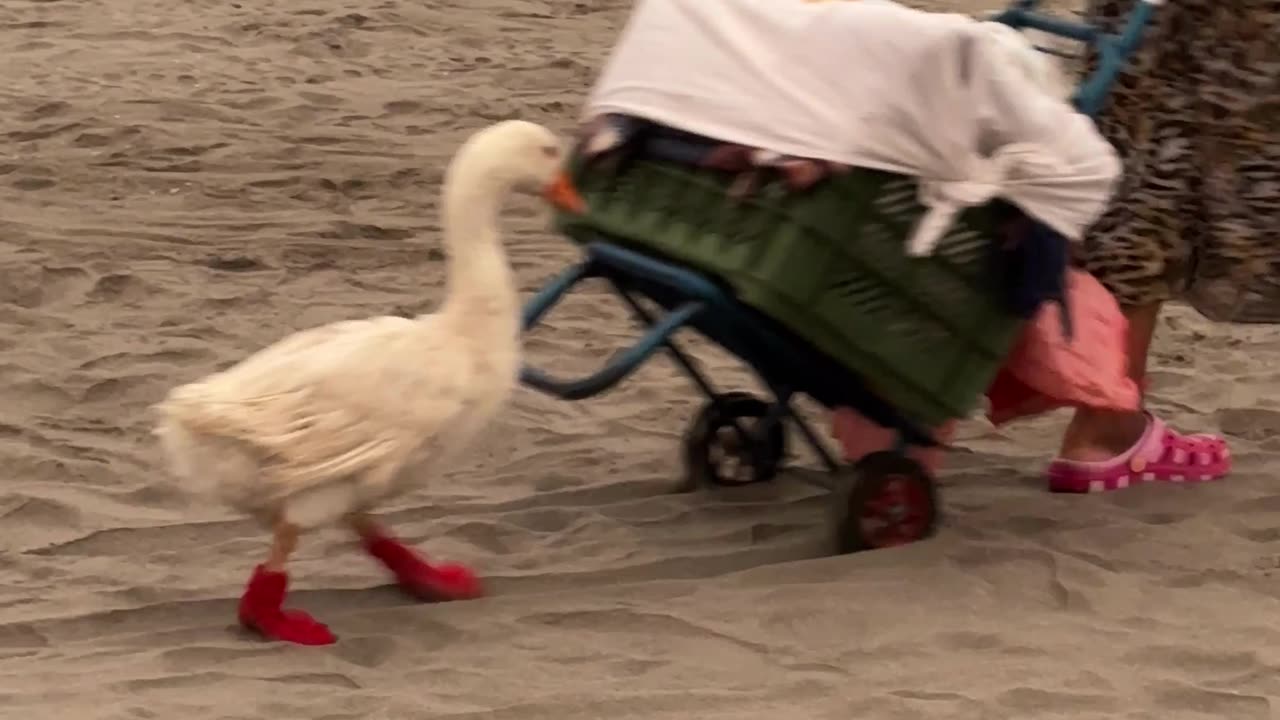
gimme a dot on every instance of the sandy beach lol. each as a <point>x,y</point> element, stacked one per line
<point>182,183</point>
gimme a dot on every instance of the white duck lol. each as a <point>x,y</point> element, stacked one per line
<point>323,425</point>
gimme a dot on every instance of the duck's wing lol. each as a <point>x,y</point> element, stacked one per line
<point>346,399</point>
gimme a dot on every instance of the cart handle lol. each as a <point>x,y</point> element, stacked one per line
<point>1114,49</point>
<point>598,263</point>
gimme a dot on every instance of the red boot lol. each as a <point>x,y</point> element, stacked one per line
<point>428,582</point>
<point>262,610</point>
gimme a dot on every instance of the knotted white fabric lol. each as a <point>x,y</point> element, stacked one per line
<point>966,106</point>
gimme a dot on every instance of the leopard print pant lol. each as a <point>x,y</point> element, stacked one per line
<point>1196,119</point>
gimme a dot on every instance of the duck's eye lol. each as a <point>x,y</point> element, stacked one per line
<point>550,151</point>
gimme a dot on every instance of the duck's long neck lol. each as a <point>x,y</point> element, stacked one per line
<point>481,292</point>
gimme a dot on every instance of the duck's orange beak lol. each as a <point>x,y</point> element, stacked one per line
<point>563,195</point>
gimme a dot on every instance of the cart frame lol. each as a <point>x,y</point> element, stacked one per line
<point>784,363</point>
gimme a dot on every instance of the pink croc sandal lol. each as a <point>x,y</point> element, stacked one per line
<point>1160,455</point>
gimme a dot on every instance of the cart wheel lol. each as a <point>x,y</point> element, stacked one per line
<point>715,453</point>
<point>892,501</point>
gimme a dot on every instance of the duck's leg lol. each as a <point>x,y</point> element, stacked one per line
<point>262,605</point>
<point>416,575</point>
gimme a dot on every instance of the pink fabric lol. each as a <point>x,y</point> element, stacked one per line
<point>1044,371</point>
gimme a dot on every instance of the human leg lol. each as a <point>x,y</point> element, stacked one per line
<point>1110,450</point>
<point>1143,250</point>
<point>1096,435</point>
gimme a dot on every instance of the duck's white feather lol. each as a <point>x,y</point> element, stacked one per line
<point>358,401</point>
<point>336,418</point>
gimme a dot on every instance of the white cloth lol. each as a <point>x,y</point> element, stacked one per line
<point>954,101</point>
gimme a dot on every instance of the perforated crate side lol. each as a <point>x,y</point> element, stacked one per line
<point>829,264</point>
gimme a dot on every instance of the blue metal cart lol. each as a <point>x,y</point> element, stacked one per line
<point>738,438</point>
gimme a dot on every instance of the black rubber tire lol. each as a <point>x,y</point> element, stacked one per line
<point>759,458</point>
<point>891,501</point>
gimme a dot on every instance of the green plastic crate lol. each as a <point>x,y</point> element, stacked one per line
<point>926,334</point>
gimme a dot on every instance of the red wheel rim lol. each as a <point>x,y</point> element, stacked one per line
<point>897,514</point>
